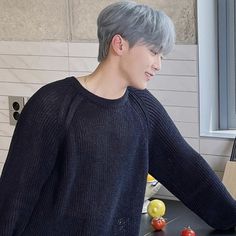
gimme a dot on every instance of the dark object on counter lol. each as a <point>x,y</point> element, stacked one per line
<point>233,153</point>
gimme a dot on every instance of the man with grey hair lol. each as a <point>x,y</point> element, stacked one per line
<point>82,148</point>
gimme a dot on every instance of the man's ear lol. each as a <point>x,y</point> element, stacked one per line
<point>118,44</point>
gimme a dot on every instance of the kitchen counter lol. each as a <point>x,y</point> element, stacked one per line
<point>179,216</point>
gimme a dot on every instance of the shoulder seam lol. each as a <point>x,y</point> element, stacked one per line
<point>141,104</point>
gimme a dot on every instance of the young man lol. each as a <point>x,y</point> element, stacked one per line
<point>81,151</point>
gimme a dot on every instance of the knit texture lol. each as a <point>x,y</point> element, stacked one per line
<point>77,165</point>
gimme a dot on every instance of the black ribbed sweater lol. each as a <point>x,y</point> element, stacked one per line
<point>77,165</point>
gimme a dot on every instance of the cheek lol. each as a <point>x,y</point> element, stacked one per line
<point>137,63</point>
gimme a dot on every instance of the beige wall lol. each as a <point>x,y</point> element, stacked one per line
<point>75,20</point>
<point>27,66</point>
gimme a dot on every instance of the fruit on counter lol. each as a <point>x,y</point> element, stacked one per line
<point>188,232</point>
<point>150,178</point>
<point>158,223</point>
<point>156,208</point>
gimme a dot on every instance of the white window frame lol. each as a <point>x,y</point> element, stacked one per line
<point>208,71</point>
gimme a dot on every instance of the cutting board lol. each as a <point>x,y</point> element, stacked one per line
<point>229,177</point>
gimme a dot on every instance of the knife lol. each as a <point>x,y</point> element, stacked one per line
<point>233,153</point>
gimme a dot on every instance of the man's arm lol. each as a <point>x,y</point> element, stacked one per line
<point>29,162</point>
<point>184,172</point>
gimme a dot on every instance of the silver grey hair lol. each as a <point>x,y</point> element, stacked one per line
<point>136,23</point>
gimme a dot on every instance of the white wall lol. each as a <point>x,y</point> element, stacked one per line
<point>26,66</point>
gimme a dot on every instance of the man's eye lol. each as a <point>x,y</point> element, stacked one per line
<point>153,52</point>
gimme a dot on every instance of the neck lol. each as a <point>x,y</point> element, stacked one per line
<point>106,81</point>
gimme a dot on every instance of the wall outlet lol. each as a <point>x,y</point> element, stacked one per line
<point>16,105</point>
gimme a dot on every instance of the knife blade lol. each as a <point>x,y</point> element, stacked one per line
<point>233,153</point>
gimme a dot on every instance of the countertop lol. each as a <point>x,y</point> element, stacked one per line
<point>179,216</point>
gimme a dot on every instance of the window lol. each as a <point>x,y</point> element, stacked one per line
<point>216,51</point>
<point>227,79</point>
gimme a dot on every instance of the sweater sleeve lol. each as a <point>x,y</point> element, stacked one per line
<point>30,160</point>
<point>183,171</point>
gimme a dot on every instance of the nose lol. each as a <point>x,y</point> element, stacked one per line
<point>157,63</point>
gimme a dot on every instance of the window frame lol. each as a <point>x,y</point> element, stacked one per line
<point>208,66</point>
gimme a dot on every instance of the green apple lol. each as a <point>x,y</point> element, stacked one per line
<point>156,208</point>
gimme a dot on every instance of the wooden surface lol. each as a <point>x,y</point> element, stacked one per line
<point>229,178</point>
